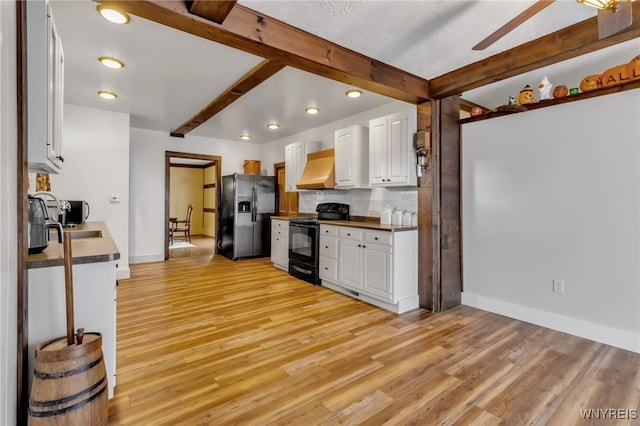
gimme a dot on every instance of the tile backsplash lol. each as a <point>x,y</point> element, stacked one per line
<point>362,202</point>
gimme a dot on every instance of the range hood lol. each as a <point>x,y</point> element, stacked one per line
<point>319,172</point>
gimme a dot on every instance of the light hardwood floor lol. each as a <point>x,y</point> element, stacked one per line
<point>205,340</point>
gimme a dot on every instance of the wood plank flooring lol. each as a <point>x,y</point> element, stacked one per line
<point>204,340</point>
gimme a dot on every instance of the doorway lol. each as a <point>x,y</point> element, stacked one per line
<point>191,179</point>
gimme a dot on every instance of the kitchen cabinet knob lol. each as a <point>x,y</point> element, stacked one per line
<point>326,269</point>
<point>359,245</point>
<point>348,234</point>
<point>364,246</point>
<point>326,247</point>
<point>375,238</point>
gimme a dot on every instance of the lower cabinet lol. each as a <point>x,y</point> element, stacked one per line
<point>94,296</point>
<point>280,243</point>
<point>379,267</point>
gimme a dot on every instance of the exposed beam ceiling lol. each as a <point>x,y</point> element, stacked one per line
<point>261,35</point>
<point>253,78</point>
<point>213,10</point>
<point>567,43</point>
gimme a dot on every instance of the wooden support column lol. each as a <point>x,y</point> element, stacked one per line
<point>439,247</point>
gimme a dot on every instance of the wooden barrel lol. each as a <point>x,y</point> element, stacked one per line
<point>69,383</point>
<point>251,167</point>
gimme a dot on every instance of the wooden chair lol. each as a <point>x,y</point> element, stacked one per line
<point>181,226</point>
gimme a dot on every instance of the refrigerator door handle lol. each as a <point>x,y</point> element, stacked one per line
<point>254,207</point>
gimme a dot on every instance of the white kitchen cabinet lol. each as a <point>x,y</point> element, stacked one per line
<point>45,82</point>
<point>392,159</point>
<point>379,267</point>
<point>352,157</point>
<point>280,243</point>
<point>94,288</point>
<point>295,158</point>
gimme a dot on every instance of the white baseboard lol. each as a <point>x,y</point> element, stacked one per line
<point>123,274</point>
<point>146,258</point>
<point>600,333</point>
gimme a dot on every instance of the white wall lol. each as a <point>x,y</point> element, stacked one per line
<point>96,165</point>
<point>147,182</point>
<point>555,193</point>
<point>8,216</point>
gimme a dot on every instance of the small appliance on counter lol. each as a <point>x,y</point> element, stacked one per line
<point>78,212</point>
<point>39,225</point>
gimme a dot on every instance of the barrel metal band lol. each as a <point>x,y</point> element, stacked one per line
<point>47,376</point>
<point>67,409</point>
<point>69,398</point>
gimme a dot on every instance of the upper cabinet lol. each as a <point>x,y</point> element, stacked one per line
<point>351,157</point>
<point>45,87</point>
<point>392,159</point>
<point>295,158</point>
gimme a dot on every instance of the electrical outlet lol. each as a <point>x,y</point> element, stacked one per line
<point>558,286</point>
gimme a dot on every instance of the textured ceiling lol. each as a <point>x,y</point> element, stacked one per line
<point>170,76</point>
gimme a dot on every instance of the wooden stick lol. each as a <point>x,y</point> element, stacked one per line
<point>68,286</point>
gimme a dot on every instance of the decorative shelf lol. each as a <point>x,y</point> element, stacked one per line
<point>635,84</point>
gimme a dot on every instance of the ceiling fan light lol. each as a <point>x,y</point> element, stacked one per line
<point>599,4</point>
<point>111,62</point>
<point>354,93</point>
<point>107,95</point>
<point>113,15</point>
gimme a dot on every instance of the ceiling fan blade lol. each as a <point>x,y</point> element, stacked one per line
<point>512,24</point>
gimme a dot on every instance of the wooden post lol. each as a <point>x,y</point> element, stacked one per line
<point>439,247</point>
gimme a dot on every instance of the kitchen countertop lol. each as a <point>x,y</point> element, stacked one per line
<point>83,250</point>
<point>356,222</point>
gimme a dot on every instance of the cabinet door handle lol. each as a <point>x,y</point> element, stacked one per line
<point>359,245</point>
<point>364,246</point>
<point>375,238</point>
<point>348,234</point>
<point>326,247</point>
<point>326,269</point>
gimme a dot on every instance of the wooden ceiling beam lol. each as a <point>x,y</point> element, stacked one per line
<point>213,10</point>
<point>567,43</point>
<point>253,78</point>
<point>261,35</point>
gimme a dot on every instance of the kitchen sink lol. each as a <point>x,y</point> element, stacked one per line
<point>89,233</point>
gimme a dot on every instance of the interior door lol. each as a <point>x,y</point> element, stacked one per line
<point>287,201</point>
<point>210,196</point>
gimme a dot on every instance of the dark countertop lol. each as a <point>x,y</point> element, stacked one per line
<point>83,250</point>
<point>356,222</point>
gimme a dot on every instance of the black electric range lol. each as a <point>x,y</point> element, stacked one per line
<point>304,240</point>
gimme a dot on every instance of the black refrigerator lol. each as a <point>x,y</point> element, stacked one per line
<point>247,204</point>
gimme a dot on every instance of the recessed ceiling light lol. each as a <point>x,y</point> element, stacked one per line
<point>245,136</point>
<point>107,95</point>
<point>113,15</point>
<point>111,62</point>
<point>354,93</point>
<point>312,110</point>
<point>273,125</point>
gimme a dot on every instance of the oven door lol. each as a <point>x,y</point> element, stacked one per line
<point>303,243</point>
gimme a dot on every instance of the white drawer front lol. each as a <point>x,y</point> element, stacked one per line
<point>329,246</point>
<point>282,224</point>
<point>329,230</point>
<point>280,232</point>
<point>328,269</point>
<point>350,233</point>
<point>378,237</point>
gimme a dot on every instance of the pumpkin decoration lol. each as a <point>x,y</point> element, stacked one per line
<point>590,82</point>
<point>633,68</point>
<point>526,96</point>
<point>475,111</point>
<point>615,75</point>
<point>560,91</point>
